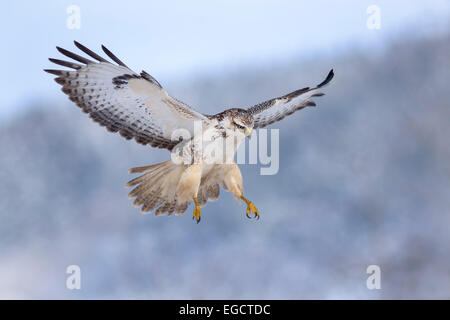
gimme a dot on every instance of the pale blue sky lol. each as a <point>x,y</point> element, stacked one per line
<point>176,40</point>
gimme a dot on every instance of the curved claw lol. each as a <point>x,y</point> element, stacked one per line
<point>197,212</point>
<point>196,218</point>
<point>251,209</point>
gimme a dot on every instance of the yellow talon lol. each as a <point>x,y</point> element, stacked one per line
<point>250,208</point>
<point>197,211</point>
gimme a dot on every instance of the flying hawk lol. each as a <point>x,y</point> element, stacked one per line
<point>202,146</point>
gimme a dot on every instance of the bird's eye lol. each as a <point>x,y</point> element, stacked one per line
<point>239,126</point>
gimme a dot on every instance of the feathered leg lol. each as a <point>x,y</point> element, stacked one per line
<point>233,183</point>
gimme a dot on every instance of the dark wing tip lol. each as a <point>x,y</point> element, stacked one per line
<point>74,56</point>
<point>327,79</point>
<point>295,93</point>
<point>113,57</point>
<point>55,72</point>
<point>62,50</point>
<point>89,52</point>
<point>72,65</point>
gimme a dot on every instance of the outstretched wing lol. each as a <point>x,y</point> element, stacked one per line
<point>135,105</point>
<point>273,110</point>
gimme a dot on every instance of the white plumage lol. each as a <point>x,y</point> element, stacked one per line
<point>203,146</point>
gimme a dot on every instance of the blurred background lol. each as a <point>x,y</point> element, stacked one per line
<point>363,179</point>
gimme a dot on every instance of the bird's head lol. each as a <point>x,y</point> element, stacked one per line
<point>241,121</point>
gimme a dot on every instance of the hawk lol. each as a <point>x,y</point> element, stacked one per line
<point>202,146</point>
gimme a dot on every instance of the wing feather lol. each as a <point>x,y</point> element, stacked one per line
<point>89,52</point>
<point>66,63</point>
<point>274,110</point>
<point>74,56</point>
<point>113,57</point>
<point>135,105</point>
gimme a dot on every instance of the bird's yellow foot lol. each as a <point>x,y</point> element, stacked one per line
<point>250,209</point>
<point>197,212</point>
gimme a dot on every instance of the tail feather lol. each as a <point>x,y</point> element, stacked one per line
<point>144,168</point>
<point>156,187</point>
<point>181,208</point>
<point>135,181</point>
<point>151,170</point>
<point>165,208</point>
<point>143,199</point>
<point>145,189</point>
<point>171,208</point>
<point>151,203</point>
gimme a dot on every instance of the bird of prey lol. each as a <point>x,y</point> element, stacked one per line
<point>202,146</point>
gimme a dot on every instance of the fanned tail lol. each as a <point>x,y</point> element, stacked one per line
<point>160,187</point>
<point>156,188</point>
